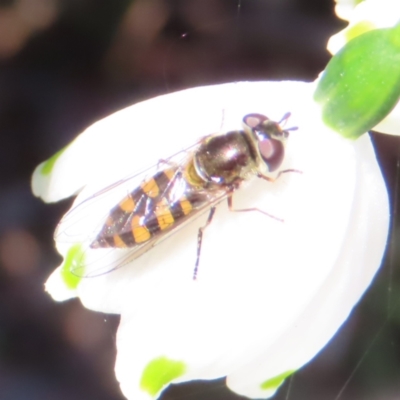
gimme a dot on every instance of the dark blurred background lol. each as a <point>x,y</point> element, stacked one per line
<point>66,63</point>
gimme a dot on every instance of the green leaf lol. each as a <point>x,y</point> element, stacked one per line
<point>361,83</point>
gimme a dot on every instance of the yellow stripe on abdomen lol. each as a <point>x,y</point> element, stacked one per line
<point>127,204</point>
<point>186,206</point>
<point>170,173</point>
<point>165,218</point>
<point>140,233</point>
<point>150,188</point>
<point>119,242</point>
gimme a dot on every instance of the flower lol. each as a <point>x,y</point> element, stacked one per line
<point>257,311</point>
<point>344,8</point>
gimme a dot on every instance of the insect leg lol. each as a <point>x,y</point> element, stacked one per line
<point>166,162</point>
<point>269,179</point>
<point>200,239</point>
<point>230,206</point>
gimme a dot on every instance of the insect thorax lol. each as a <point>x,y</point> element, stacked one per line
<point>225,160</point>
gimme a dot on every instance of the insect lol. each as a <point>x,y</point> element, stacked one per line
<point>179,190</point>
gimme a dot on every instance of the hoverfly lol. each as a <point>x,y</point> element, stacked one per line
<point>180,188</point>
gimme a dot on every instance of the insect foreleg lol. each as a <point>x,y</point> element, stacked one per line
<point>230,206</point>
<point>200,239</point>
<point>269,179</point>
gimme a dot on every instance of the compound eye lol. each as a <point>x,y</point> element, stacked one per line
<point>267,149</point>
<point>272,152</point>
<point>254,121</point>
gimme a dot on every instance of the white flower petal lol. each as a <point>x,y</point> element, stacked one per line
<point>180,123</point>
<point>258,278</point>
<point>342,289</point>
<point>254,322</point>
<point>57,287</point>
<point>344,8</point>
<point>391,123</point>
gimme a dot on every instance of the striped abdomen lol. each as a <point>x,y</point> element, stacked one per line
<point>153,208</point>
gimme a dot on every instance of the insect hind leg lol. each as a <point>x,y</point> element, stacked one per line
<point>200,240</point>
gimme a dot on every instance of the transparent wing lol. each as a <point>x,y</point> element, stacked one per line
<point>81,226</point>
